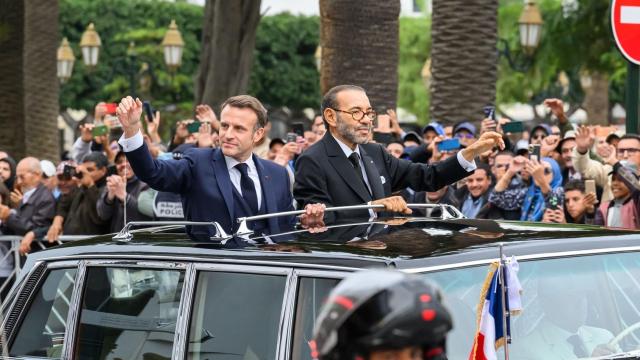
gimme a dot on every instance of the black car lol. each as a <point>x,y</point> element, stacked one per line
<point>156,294</point>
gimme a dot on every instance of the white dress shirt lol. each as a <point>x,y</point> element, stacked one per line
<point>235,175</point>
<point>136,141</point>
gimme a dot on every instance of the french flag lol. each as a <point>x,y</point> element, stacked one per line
<point>491,327</point>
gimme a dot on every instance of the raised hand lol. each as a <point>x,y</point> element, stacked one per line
<point>488,125</point>
<point>129,112</point>
<point>557,108</point>
<point>86,132</point>
<point>585,137</point>
<point>204,113</point>
<point>205,139</point>
<point>153,127</point>
<point>549,144</point>
<point>487,141</point>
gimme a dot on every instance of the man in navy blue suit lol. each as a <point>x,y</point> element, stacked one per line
<point>219,184</point>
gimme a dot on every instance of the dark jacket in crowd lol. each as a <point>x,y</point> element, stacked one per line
<point>79,210</point>
<point>113,211</point>
<point>420,197</point>
<point>37,211</point>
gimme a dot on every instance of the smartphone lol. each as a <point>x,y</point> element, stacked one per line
<point>449,144</point>
<point>68,172</point>
<point>489,112</point>
<point>555,202</point>
<point>291,137</point>
<point>298,129</point>
<point>194,127</point>
<point>589,186</point>
<point>534,151</point>
<point>513,127</point>
<point>111,108</point>
<point>99,130</point>
<point>148,110</point>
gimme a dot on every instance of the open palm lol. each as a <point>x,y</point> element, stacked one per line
<point>129,112</point>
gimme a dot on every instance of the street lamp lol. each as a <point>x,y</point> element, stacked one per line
<point>65,61</point>
<point>173,45</point>
<point>530,24</point>
<point>90,44</point>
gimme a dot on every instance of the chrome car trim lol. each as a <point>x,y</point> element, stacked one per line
<point>74,312</point>
<point>548,255</point>
<point>165,265</point>
<point>288,310</point>
<point>125,234</point>
<point>184,314</point>
<point>203,260</point>
<point>447,212</point>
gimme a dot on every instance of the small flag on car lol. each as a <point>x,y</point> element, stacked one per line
<point>493,318</point>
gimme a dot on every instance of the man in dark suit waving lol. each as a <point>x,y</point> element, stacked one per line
<point>342,169</point>
<point>219,184</point>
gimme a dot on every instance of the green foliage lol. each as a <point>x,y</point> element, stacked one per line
<point>119,22</point>
<point>415,46</point>
<point>572,41</point>
<point>284,70</point>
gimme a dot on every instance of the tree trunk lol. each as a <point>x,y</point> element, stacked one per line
<point>463,58</point>
<point>360,47</point>
<point>228,40</point>
<point>596,98</point>
<point>28,83</point>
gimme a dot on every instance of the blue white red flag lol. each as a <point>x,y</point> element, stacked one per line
<point>492,333</point>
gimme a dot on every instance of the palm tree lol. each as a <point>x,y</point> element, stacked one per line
<point>228,40</point>
<point>463,58</point>
<point>360,46</point>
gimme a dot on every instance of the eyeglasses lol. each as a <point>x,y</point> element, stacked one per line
<point>358,115</point>
<point>631,151</point>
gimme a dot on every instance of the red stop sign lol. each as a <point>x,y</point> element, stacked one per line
<point>625,21</point>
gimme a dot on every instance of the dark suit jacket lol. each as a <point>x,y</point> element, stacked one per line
<point>202,179</point>
<point>325,175</point>
<point>38,211</point>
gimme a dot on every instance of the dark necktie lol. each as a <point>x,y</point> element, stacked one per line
<point>248,188</point>
<point>579,349</point>
<point>354,158</point>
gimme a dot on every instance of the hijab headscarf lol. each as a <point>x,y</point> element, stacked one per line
<point>534,202</point>
<point>12,178</point>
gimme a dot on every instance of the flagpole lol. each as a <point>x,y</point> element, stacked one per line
<point>505,314</point>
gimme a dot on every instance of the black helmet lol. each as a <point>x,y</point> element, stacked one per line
<point>380,310</point>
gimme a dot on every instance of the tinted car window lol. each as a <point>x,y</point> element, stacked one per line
<point>593,297</point>
<point>236,316</point>
<point>42,331</point>
<point>128,313</point>
<point>312,294</point>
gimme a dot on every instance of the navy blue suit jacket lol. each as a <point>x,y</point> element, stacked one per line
<point>202,179</point>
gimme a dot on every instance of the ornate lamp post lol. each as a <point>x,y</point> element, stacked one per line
<point>530,24</point>
<point>173,45</point>
<point>90,44</point>
<point>65,61</point>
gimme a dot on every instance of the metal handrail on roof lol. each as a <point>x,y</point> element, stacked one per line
<point>447,212</point>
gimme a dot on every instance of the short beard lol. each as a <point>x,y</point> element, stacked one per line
<point>350,134</point>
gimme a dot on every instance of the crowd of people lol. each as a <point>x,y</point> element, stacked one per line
<point>554,173</point>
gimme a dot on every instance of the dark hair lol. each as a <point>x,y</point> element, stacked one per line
<point>329,101</point>
<point>506,152</point>
<point>487,169</point>
<point>275,141</point>
<point>98,158</point>
<point>630,136</point>
<point>574,185</point>
<point>249,102</point>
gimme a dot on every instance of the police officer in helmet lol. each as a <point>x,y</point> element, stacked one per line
<point>381,315</point>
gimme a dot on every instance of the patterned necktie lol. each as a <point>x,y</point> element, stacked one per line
<point>354,158</point>
<point>248,188</point>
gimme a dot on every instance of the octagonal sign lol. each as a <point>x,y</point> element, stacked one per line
<point>625,23</point>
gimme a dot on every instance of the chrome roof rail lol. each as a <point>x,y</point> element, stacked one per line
<point>447,212</point>
<point>125,234</point>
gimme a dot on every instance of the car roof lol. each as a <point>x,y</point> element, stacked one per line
<point>404,243</point>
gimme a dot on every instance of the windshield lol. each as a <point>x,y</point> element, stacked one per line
<point>573,307</point>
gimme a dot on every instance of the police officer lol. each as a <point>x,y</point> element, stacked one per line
<point>380,314</point>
